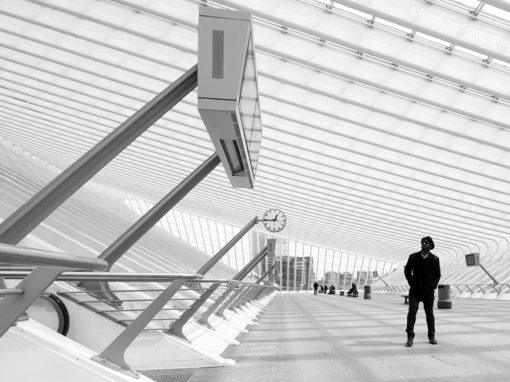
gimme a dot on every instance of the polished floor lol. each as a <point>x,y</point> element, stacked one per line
<point>305,338</point>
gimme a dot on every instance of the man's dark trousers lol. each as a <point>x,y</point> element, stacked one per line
<point>428,305</point>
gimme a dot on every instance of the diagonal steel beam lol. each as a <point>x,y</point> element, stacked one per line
<point>147,221</point>
<point>217,257</point>
<point>259,280</point>
<point>41,205</point>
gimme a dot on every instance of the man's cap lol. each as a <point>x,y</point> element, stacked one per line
<point>429,239</point>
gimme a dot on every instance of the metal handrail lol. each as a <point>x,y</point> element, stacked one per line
<point>13,254</point>
<point>459,288</point>
<point>11,292</point>
<point>188,282</point>
<point>126,277</point>
<point>110,276</point>
<point>131,277</point>
<point>49,265</point>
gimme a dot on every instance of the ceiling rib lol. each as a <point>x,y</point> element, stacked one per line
<point>434,32</point>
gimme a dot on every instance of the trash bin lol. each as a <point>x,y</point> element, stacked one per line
<point>368,292</point>
<point>443,297</point>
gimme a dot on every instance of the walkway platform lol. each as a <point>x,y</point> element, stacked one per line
<point>307,338</point>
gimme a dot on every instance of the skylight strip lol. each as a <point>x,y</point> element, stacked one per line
<point>437,32</point>
<point>391,189</point>
<point>42,116</point>
<point>400,165</point>
<point>91,105</point>
<point>81,16</point>
<point>141,152</point>
<point>396,92</point>
<point>401,94</point>
<point>408,68</point>
<point>403,152</point>
<point>129,53</point>
<point>384,112</point>
<point>439,44</point>
<point>389,60</point>
<point>289,189</point>
<point>489,14</point>
<point>392,91</point>
<point>83,56</point>
<point>501,4</point>
<point>336,200</point>
<point>336,117</point>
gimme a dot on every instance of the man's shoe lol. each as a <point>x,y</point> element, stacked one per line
<point>432,341</point>
<point>409,342</point>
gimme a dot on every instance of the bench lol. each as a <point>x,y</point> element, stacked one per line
<point>406,298</point>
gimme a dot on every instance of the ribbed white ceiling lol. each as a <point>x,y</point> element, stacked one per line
<point>384,121</point>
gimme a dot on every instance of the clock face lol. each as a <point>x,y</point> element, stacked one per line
<point>274,220</point>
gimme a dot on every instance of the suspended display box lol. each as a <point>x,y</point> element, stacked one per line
<point>473,259</point>
<point>228,98</point>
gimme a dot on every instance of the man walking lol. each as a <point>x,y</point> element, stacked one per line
<point>422,272</point>
<point>315,287</point>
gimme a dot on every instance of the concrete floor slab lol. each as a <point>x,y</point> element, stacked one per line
<point>303,338</point>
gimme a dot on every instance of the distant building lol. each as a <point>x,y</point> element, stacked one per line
<point>365,278</point>
<point>295,272</point>
<point>331,278</point>
<point>344,280</point>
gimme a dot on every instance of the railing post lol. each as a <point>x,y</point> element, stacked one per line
<point>12,307</point>
<point>221,311</point>
<point>238,277</point>
<point>177,326</point>
<point>254,292</point>
<point>242,298</point>
<point>265,290</point>
<point>48,266</point>
<point>113,354</point>
<point>204,319</point>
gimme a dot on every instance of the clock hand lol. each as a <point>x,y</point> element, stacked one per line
<point>276,217</point>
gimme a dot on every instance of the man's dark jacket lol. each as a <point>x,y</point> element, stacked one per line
<point>422,274</point>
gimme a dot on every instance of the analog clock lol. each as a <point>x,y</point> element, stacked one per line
<point>274,220</point>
